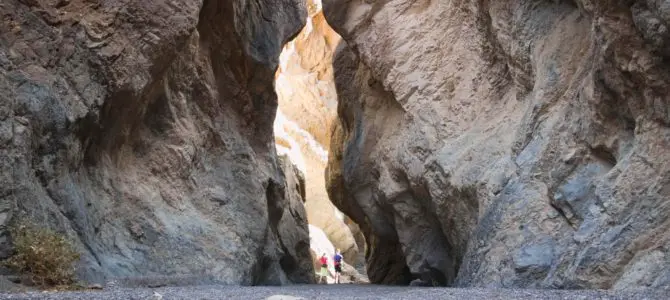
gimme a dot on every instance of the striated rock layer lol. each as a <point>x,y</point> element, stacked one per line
<point>505,143</point>
<point>143,130</point>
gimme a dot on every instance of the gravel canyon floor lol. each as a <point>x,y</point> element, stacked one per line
<point>342,292</point>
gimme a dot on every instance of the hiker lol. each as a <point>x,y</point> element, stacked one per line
<point>337,259</point>
<point>324,268</point>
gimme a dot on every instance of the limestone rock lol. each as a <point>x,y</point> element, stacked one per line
<point>305,83</point>
<point>143,130</point>
<point>475,138</point>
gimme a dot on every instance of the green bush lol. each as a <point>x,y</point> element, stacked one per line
<point>44,256</point>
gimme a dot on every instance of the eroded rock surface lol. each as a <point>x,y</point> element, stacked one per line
<point>307,107</point>
<point>505,143</point>
<point>143,130</point>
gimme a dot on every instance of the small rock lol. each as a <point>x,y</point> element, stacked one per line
<point>419,282</point>
<point>156,296</point>
<point>95,286</point>
<point>22,120</point>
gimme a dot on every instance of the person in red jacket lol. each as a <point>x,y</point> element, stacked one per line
<point>324,268</point>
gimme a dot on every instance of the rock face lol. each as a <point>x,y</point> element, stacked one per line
<point>505,143</point>
<point>143,130</point>
<point>307,107</point>
<point>291,227</point>
<point>305,83</point>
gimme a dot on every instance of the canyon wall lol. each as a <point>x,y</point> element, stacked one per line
<point>505,143</point>
<point>143,131</point>
<point>307,107</point>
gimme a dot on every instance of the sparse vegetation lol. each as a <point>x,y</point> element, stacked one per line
<point>44,257</point>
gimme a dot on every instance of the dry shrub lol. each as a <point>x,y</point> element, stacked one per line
<point>44,256</point>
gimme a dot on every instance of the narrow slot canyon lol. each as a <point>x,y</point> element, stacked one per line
<point>307,108</point>
<point>208,149</point>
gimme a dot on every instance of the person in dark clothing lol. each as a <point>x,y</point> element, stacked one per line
<point>337,260</point>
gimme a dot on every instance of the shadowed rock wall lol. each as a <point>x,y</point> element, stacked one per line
<point>143,130</point>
